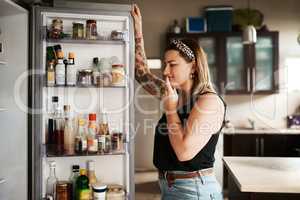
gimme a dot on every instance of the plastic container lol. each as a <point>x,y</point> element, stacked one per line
<point>219,19</point>
<point>115,192</point>
<point>99,191</point>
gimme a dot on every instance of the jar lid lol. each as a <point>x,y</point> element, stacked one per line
<point>75,167</point>
<point>60,54</point>
<point>85,71</point>
<point>118,65</point>
<point>98,187</point>
<point>92,117</point>
<point>55,99</point>
<point>71,55</point>
<point>90,21</point>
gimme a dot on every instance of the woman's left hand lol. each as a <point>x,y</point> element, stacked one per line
<point>170,99</point>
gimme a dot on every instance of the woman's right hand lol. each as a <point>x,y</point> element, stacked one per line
<point>137,20</point>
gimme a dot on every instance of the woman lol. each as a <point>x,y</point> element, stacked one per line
<point>187,133</point>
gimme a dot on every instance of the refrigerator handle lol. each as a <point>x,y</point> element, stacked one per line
<point>2,180</point>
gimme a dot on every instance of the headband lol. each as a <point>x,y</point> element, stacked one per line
<point>183,48</point>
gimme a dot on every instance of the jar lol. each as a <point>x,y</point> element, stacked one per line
<point>85,77</point>
<point>117,35</point>
<point>57,28</point>
<point>117,142</point>
<point>78,30</point>
<point>91,29</point>
<point>107,148</point>
<point>99,191</point>
<point>101,143</point>
<point>63,190</point>
<point>115,192</point>
<point>118,75</point>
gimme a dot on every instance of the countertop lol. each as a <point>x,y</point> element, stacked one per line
<point>265,174</point>
<point>282,131</point>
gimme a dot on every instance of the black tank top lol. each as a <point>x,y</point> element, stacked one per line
<point>164,157</point>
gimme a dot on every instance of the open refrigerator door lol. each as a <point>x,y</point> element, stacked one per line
<point>82,61</point>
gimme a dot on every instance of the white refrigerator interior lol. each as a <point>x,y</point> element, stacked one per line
<point>110,169</point>
<point>13,101</point>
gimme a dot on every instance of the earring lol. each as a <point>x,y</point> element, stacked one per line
<point>192,76</point>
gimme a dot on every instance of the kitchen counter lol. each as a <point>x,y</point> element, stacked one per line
<point>265,174</point>
<point>282,131</point>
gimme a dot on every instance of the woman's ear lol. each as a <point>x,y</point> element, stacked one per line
<point>194,66</point>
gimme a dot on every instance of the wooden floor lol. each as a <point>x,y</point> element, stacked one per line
<point>146,186</point>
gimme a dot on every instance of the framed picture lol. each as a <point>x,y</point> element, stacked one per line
<point>195,25</point>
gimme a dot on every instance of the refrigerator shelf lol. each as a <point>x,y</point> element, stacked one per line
<point>77,86</point>
<point>86,41</point>
<point>83,155</point>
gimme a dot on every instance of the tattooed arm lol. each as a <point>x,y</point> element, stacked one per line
<point>149,81</point>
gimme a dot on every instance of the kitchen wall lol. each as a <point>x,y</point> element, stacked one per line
<point>267,110</point>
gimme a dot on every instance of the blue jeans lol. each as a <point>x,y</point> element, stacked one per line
<point>197,188</point>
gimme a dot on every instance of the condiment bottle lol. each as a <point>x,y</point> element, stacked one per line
<point>50,74</point>
<point>81,138</point>
<point>60,70</point>
<point>71,70</point>
<point>91,173</point>
<point>75,174</point>
<point>69,135</point>
<point>51,181</point>
<point>82,186</point>
<point>92,130</point>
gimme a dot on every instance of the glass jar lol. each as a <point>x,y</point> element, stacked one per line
<point>91,29</point>
<point>63,190</point>
<point>57,28</point>
<point>118,75</point>
<point>117,141</point>
<point>78,30</point>
<point>117,35</point>
<point>85,77</point>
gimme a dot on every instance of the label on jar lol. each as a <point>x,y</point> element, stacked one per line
<point>92,145</point>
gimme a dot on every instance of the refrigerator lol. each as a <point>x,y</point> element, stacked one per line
<point>13,100</point>
<point>117,101</point>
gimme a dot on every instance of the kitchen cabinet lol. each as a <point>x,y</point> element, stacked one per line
<point>236,68</point>
<point>260,145</point>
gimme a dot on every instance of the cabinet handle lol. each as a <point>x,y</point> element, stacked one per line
<point>222,87</point>
<point>248,79</point>
<point>2,180</point>
<point>262,146</point>
<point>254,78</point>
<point>257,146</point>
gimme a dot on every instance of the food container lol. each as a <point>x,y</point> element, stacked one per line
<point>99,191</point>
<point>117,141</point>
<point>91,29</point>
<point>115,192</point>
<point>85,77</point>
<point>63,190</point>
<point>118,75</point>
<point>78,30</point>
<point>117,35</point>
<point>56,29</point>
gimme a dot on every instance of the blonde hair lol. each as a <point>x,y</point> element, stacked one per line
<point>202,81</point>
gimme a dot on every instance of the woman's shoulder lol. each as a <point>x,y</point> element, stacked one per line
<point>209,99</point>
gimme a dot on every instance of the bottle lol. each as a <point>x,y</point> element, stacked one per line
<point>81,138</point>
<point>60,70</point>
<point>69,135</point>
<point>91,173</point>
<point>50,74</point>
<point>105,137</point>
<point>71,70</point>
<point>51,182</point>
<point>96,72</point>
<point>75,174</point>
<point>82,186</point>
<point>92,131</point>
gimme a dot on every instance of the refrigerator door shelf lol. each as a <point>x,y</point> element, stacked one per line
<point>86,41</point>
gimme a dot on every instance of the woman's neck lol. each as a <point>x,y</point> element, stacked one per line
<point>186,91</point>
